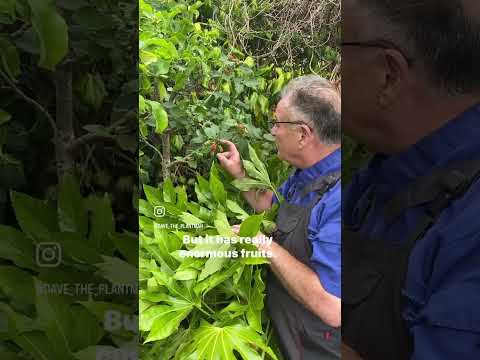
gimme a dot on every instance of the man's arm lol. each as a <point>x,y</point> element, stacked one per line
<point>259,200</point>
<point>304,285</point>
<point>230,161</point>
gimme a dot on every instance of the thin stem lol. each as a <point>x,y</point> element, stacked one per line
<point>32,102</point>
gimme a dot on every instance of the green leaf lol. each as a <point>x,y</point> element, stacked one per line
<point>252,288</point>
<point>8,7</point>
<point>160,116</point>
<point>235,208</point>
<point>214,264</point>
<point>154,195</point>
<point>34,216</point>
<point>252,171</point>
<point>210,342</point>
<point>258,163</point>
<point>4,117</point>
<point>9,58</point>
<point>127,244</point>
<point>184,275</point>
<point>190,219</point>
<point>247,184</point>
<point>101,221</point>
<point>16,247</point>
<point>182,197</point>
<point>57,319</point>
<point>251,226</point>
<point>169,194</point>
<point>163,320</point>
<point>234,309</point>
<point>72,215</point>
<point>218,190</point>
<point>76,248</point>
<point>222,225</point>
<point>37,345</point>
<point>17,285</point>
<point>117,271</point>
<point>86,328</point>
<point>115,318</point>
<point>52,32</point>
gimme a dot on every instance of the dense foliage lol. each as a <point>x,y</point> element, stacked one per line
<point>198,306</point>
<point>67,174</point>
<point>199,84</point>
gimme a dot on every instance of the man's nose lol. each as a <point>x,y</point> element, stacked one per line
<point>273,131</point>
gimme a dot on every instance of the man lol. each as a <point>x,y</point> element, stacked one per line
<point>411,237</point>
<point>303,295</point>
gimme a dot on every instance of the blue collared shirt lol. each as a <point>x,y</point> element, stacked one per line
<point>442,286</point>
<point>324,229</point>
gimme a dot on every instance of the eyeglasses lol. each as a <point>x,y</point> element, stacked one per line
<point>274,123</point>
<point>382,44</point>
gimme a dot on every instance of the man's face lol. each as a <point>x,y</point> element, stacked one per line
<point>363,79</point>
<point>286,135</point>
<point>358,92</point>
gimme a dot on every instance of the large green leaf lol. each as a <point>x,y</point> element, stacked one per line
<point>101,221</point>
<point>211,342</point>
<point>247,184</point>
<point>159,115</point>
<point>16,247</point>
<point>258,163</point>
<point>163,320</point>
<point>222,225</point>
<point>75,248</point>
<point>72,215</point>
<point>115,318</point>
<point>251,226</point>
<point>36,218</point>
<point>4,117</point>
<point>8,7</point>
<point>214,263</point>
<point>169,194</point>
<point>37,344</point>
<point>57,319</point>
<point>17,284</point>
<point>218,190</point>
<point>14,323</point>
<point>86,328</point>
<point>9,58</point>
<point>52,32</point>
<point>252,289</point>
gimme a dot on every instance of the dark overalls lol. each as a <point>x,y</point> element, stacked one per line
<point>302,335</point>
<point>374,270</point>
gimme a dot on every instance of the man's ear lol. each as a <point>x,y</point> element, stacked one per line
<point>396,77</point>
<point>305,135</point>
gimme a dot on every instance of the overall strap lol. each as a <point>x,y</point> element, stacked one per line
<point>321,185</point>
<point>435,190</point>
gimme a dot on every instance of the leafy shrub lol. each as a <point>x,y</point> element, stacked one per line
<point>201,308</point>
<point>44,313</point>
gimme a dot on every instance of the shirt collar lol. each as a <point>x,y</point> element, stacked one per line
<point>332,162</point>
<point>458,139</point>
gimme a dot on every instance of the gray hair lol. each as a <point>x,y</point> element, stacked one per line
<point>442,36</point>
<point>317,101</point>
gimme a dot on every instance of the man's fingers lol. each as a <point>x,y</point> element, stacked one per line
<point>222,157</point>
<point>236,229</point>
<point>231,146</point>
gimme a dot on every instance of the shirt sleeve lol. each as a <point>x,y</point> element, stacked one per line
<point>325,235</point>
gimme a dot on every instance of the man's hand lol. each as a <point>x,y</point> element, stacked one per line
<point>258,240</point>
<point>230,160</point>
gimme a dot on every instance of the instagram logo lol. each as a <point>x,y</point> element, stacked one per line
<point>159,211</point>
<point>48,254</point>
